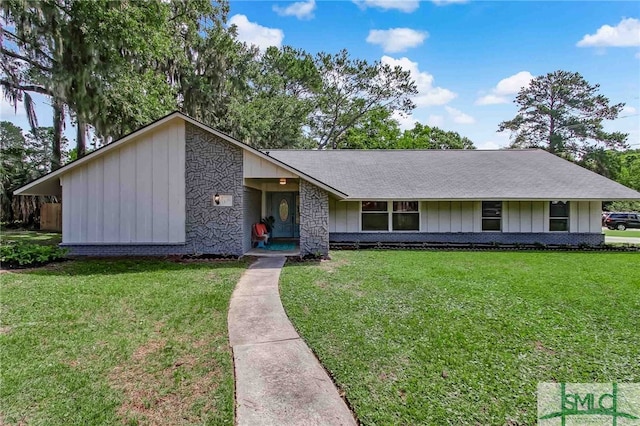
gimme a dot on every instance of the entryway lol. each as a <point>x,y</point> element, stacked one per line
<point>283,207</point>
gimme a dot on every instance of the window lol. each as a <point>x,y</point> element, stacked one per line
<point>491,215</point>
<point>406,216</point>
<point>558,216</point>
<point>375,216</point>
<point>395,216</point>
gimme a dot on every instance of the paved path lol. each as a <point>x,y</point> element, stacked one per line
<point>628,240</point>
<point>278,379</point>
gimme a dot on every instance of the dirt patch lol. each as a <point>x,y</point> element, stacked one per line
<point>321,283</point>
<point>157,393</point>
<point>540,347</point>
<point>148,348</point>
<point>5,330</point>
<point>332,265</point>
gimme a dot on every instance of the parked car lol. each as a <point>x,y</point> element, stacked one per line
<point>622,221</point>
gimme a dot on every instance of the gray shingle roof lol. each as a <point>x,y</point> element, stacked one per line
<point>454,174</point>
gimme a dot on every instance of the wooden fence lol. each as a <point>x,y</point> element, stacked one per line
<point>51,217</point>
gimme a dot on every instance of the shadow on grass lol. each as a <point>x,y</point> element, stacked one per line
<point>32,237</point>
<point>117,266</point>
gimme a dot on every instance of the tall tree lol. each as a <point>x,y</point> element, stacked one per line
<point>111,65</point>
<point>22,159</point>
<point>563,114</point>
<point>350,89</point>
<point>277,99</point>
<point>376,130</point>
<point>425,137</point>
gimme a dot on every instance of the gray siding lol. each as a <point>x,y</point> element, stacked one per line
<point>252,209</point>
<point>556,238</point>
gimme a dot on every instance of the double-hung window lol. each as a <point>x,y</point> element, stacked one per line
<point>390,215</point>
<point>558,216</point>
<point>406,216</point>
<point>375,216</point>
<point>492,215</point>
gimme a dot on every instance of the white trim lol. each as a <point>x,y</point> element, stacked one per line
<point>176,115</point>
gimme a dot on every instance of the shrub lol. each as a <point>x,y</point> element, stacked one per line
<point>14,255</point>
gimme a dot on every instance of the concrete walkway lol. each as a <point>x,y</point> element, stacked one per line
<point>278,379</point>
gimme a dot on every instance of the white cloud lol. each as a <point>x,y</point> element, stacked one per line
<point>406,6</point>
<point>459,117</point>
<point>405,121</point>
<point>491,100</point>
<point>397,39</point>
<point>435,120</point>
<point>488,145</point>
<point>625,34</point>
<point>427,94</point>
<point>628,110</point>
<point>506,88</point>
<point>252,33</point>
<point>301,10</point>
<point>497,141</point>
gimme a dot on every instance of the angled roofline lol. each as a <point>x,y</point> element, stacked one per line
<point>264,156</point>
<point>157,123</point>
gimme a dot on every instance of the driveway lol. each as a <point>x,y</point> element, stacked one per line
<point>633,238</point>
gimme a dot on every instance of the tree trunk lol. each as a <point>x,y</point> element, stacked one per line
<point>58,125</point>
<point>81,138</point>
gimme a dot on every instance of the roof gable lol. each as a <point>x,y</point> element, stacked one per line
<point>49,183</point>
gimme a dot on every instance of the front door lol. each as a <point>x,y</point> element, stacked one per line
<point>283,210</point>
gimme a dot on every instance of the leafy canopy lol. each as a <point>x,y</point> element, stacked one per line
<point>563,113</point>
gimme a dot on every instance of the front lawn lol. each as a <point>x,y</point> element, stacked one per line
<point>113,342</point>
<point>417,337</point>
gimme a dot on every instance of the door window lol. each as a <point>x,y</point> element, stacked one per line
<point>283,210</point>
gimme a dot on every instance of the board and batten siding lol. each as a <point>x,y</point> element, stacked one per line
<point>132,194</point>
<point>466,216</point>
<point>256,167</point>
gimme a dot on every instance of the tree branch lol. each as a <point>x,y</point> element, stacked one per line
<point>25,59</point>
<point>26,88</point>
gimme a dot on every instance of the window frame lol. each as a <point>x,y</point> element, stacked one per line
<point>483,217</point>
<point>567,217</point>
<point>390,212</point>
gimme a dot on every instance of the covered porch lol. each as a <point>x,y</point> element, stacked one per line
<point>295,207</point>
<point>275,202</point>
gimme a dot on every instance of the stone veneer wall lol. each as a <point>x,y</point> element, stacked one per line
<point>559,238</point>
<point>314,220</point>
<point>213,166</point>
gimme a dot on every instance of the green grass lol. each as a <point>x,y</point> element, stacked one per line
<point>464,337</point>
<point>113,342</point>
<point>34,237</point>
<point>627,233</point>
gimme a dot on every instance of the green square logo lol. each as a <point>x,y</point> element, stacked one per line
<point>569,404</point>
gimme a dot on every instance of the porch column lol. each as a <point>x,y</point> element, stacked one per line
<point>314,220</point>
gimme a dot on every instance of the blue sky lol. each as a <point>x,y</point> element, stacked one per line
<point>468,58</point>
